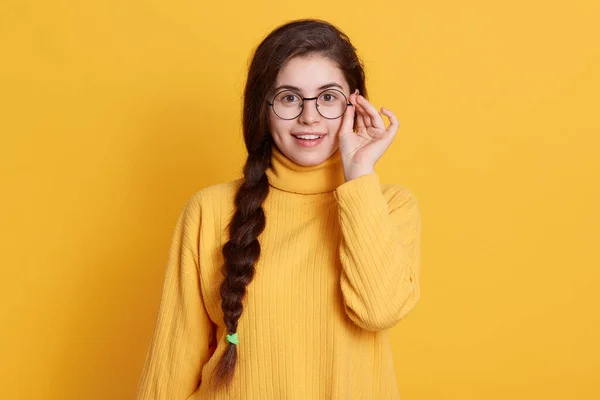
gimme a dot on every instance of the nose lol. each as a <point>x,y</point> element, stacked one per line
<point>309,114</point>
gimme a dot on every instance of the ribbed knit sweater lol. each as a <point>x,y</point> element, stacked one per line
<point>339,266</point>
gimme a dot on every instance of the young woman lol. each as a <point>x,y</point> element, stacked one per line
<point>283,284</point>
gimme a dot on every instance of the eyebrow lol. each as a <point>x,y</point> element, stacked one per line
<point>326,86</point>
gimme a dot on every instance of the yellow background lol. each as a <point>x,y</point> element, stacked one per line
<point>113,113</point>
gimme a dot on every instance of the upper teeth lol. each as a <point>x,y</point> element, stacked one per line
<point>309,136</point>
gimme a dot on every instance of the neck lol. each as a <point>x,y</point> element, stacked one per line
<point>284,174</point>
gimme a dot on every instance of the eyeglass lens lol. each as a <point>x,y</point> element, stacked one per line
<point>330,104</point>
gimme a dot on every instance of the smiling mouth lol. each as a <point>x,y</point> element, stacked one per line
<point>309,136</point>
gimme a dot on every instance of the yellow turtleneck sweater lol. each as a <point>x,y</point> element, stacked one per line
<point>339,265</point>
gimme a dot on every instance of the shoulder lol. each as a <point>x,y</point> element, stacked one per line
<point>212,198</point>
<point>369,188</point>
<point>220,192</point>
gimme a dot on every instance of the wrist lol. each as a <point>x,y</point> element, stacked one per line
<point>358,173</point>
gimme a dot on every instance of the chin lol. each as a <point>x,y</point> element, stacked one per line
<point>306,156</point>
<point>310,157</point>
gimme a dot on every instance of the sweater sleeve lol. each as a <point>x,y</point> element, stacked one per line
<point>180,344</point>
<point>379,252</point>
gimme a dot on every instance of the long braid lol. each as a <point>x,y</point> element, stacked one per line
<point>242,251</point>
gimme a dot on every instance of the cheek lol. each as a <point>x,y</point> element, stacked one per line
<point>333,125</point>
<point>279,126</point>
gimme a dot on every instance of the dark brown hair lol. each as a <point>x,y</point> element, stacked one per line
<point>241,252</point>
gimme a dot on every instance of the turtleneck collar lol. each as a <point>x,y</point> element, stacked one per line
<point>284,174</point>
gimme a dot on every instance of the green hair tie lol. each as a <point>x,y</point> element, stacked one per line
<point>233,339</point>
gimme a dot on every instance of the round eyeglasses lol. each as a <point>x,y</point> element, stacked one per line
<point>330,103</point>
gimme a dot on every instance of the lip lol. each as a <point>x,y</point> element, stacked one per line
<point>309,133</point>
<point>308,144</point>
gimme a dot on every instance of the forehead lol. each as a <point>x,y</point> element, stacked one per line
<point>308,73</point>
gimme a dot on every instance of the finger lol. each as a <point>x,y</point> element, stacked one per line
<point>348,120</point>
<point>394,123</point>
<point>371,111</point>
<point>360,122</point>
<point>364,116</point>
<point>365,119</point>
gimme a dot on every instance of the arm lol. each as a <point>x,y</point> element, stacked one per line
<point>180,343</point>
<point>379,252</point>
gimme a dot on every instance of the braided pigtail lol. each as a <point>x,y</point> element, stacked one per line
<point>242,251</point>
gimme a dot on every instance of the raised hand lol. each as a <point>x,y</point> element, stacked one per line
<point>360,150</point>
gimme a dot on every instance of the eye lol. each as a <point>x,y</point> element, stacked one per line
<point>328,97</point>
<point>288,98</point>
